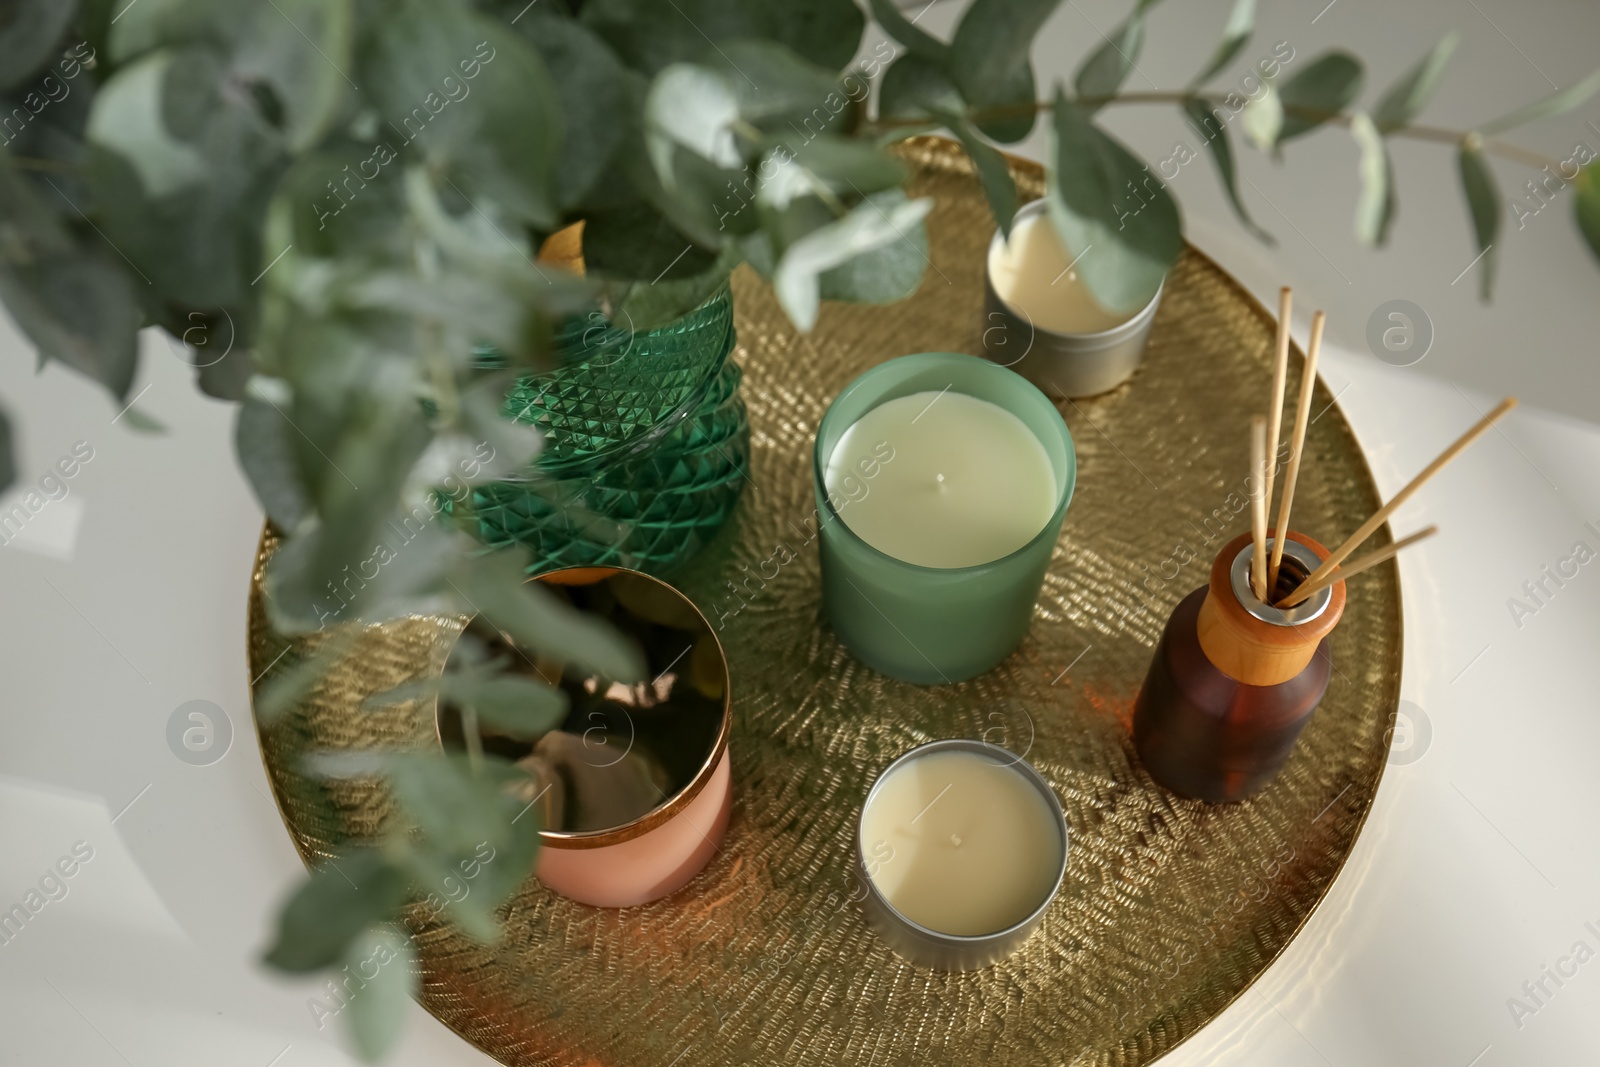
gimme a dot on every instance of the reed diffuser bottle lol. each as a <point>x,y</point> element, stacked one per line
<point>1234,680</point>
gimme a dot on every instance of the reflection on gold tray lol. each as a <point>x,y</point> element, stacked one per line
<point>1170,908</point>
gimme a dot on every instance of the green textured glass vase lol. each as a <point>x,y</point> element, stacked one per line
<point>614,384</point>
<point>646,445</point>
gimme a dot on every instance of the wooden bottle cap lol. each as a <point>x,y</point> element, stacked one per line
<point>1256,643</point>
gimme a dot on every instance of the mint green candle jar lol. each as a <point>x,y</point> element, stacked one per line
<point>941,483</point>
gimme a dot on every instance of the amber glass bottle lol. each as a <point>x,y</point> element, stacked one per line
<point>1233,680</point>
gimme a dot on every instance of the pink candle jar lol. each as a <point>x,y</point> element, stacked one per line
<point>633,788</point>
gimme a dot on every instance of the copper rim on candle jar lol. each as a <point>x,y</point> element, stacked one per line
<point>653,852</point>
<point>1021,910</point>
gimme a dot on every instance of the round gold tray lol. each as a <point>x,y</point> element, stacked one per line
<point>1170,908</point>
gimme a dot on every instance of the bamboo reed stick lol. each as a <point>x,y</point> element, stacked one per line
<point>1309,588</point>
<point>1258,506</point>
<point>1280,372</point>
<point>1308,383</point>
<point>1382,514</point>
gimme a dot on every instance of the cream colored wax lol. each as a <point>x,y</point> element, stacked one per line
<point>967,482</point>
<point>1032,274</point>
<point>960,843</point>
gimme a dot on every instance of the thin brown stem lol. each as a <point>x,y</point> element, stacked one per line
<point>1433,134</point>
<point>53,165</point>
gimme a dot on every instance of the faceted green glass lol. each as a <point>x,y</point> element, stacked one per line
<point>615,383</point>
<point>647,443</point>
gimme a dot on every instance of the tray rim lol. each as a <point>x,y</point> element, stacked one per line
<point>1035,171</point>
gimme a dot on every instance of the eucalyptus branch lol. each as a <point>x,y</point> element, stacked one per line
<point>52,165</point>
<point>1434,134</point>
<point>474,738</point>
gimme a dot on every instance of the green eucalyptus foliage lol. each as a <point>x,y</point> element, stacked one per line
<point>335,202</point>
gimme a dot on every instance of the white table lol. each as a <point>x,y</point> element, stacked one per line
<point>1477,868</point>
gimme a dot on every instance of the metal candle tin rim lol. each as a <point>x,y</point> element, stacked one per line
<point>819,463</point>
<point>1303,612</point>
<point>1083,341</point>
<point>1012,760</point>
<point>669,806</point>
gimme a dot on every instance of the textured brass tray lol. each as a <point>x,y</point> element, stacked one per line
<point>1170,908</point>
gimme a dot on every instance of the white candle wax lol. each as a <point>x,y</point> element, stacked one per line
<point>1032,273</point>
<point>967,483</point>
<point>960,843</point>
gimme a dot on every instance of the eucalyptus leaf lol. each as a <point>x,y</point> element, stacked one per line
<point>423,62</point>
<point>509,704</point>
<point>541,622</point>
<point>994,174</point>
<point>77,309</point>
<point>694,109</point>
<point>989,60</point>
<point>181,168</point>
<point>1557,102</point>
<point>917,87</point>
<point>8,457</point>
<point>1124,242</point>
<point>371,441</point>
<point>1407,97</point>
<point>782,91</point>
<point>386,964</point>
<point>139,422</point>
<point>1317,92</point>
<point>1235,35</point>
<point>509,863</point>
<point>1107,67</point>
<point>650,35</point>
<point>457,802</point>
<point>918,42</point>
<point>638,242</point>
<point>330,910</point>
<point>301,48</point>
<point>442,872</point>
<point>73,305</point>
<point>590,84</point>
<point>868,227</point>
<point>1214,133</point>
<point>888,273</point>
<point>513,446</point>
<point>1587,209</point>
<point>403,573</point>
<point>341,201</point>
<point>30,33</point>
<point>1375,204</point>
<point>848,166</point>
<point>262,438</point>
<point>1483,207</point>
<point>226,378</point>
<point>44,121</point>
<point>1262,119</point>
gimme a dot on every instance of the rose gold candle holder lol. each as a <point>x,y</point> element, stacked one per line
<point>659,851</point>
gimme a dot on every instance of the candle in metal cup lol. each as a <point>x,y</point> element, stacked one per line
<point>961,847</point>
<point>1041,319</point>
<point>1034,275</point>
<point>972,846</point>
